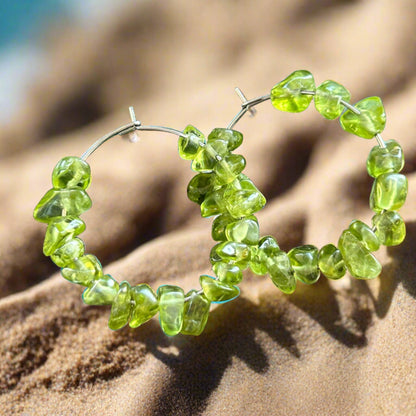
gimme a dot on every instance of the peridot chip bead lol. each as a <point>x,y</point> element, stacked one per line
<point>71,172</point>
<point>359,261</point>
<point>304,260</point>
<point>242,198</point>
<point>213,204</point>
<point>228,272</point>
<point>370,121</point>
<point>331,263</point>
<point>287,94</point>
<point>199,186</point>
<point>171,302</point>
<point>233,251</point>
<point>61,202</point>
<point>389,192</point>
<point>60,230</point>
<point>281,271</point>
<point>121,307</point>
<point>389,228</point>
<point>233,138</point>
<point>216,291</point>
<point>188,146</point>
<point>208,155</point>
<point>255,264</point>
<point>389,159</point>
<point>328,97</point>
<point>195,313</point>
<point>68,252</point>
<point>365,234</point>
<point>245,230</point>
<point>145,306</point>
<point>83,270</point>
<point>218,226</point>
<point>102,291</point>
<point>228,168</point>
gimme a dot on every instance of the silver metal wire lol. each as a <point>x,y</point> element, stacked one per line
<point>246,106</point>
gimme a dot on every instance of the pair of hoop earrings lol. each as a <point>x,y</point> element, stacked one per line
<point>222,190</point>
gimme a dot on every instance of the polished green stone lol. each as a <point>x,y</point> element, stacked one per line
<point>145,305</point>
<point>365,234</point>
<point>171,302</point>
<point>83,270</point>
<point>389,159</point>
<point>121,307</point>
<point>281,271</point>
<point>389,228</point>
<point>195,313</point>
<point>228,272</point>
<point>233,138</point>
<point>218,226</point>
<point>214,203</point>
<point>359,261</point>
<point>255,264</point>
<point>59,231</point>
<point>304,261</point>
<point>246,230</point>
<point>213,255</point>
<point>71,172</point>
<point>228,168</point>
<point>61,202</point>
<point>199,186</point>
<point>389,192</point>
<point>208,156</point>
<point>234,251</point>
<point>188,146</point>
<point>242,198</point>
<point>101,292</point>
<point>216,291</point>
<point>68,252</point>
<point>328,98</point>
<point>287,94</point>
<point>331,263</point>
<point>370,121</point>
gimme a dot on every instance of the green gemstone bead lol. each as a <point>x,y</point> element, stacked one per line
<point>234,251</point>
<point>281,271</point>
<point>242,198</point>
<point>228,272</point>
<point>255,264</point>
<point>189,146</point>
<point>171,302</point>
<point>245,231</point>
<point>328,98</point>
<point>83,270</point>
<point>102,291</point>
<point>145,306</point>
<point>228,168</point>
<point>389,159</point>
<point>214,203</point>
<point>304,260</point>
<point>213,255</point>
<point>71,172</point>
<point>59,231</point>
<point>218,226</point>
<point>68,252</point>
<point>195,313</point>
<point>370,121</point>
<point>331,263</point>
<point>121,307</point>
<point>208,156</point>
<point>61,202</point>
<point>365,234</point>
<point>389,228</point>
<point>287,94</point>
<point>359,261</point>
<point>233,138</point>
<point>389,192</point>
<point>216,291</point>
<point>199,186</point>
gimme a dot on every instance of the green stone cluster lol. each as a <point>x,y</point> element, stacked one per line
<point>222,190</point>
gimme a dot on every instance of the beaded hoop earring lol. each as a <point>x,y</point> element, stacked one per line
<point>221,189</point>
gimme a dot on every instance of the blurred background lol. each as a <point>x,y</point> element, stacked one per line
<point>70,69</point>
